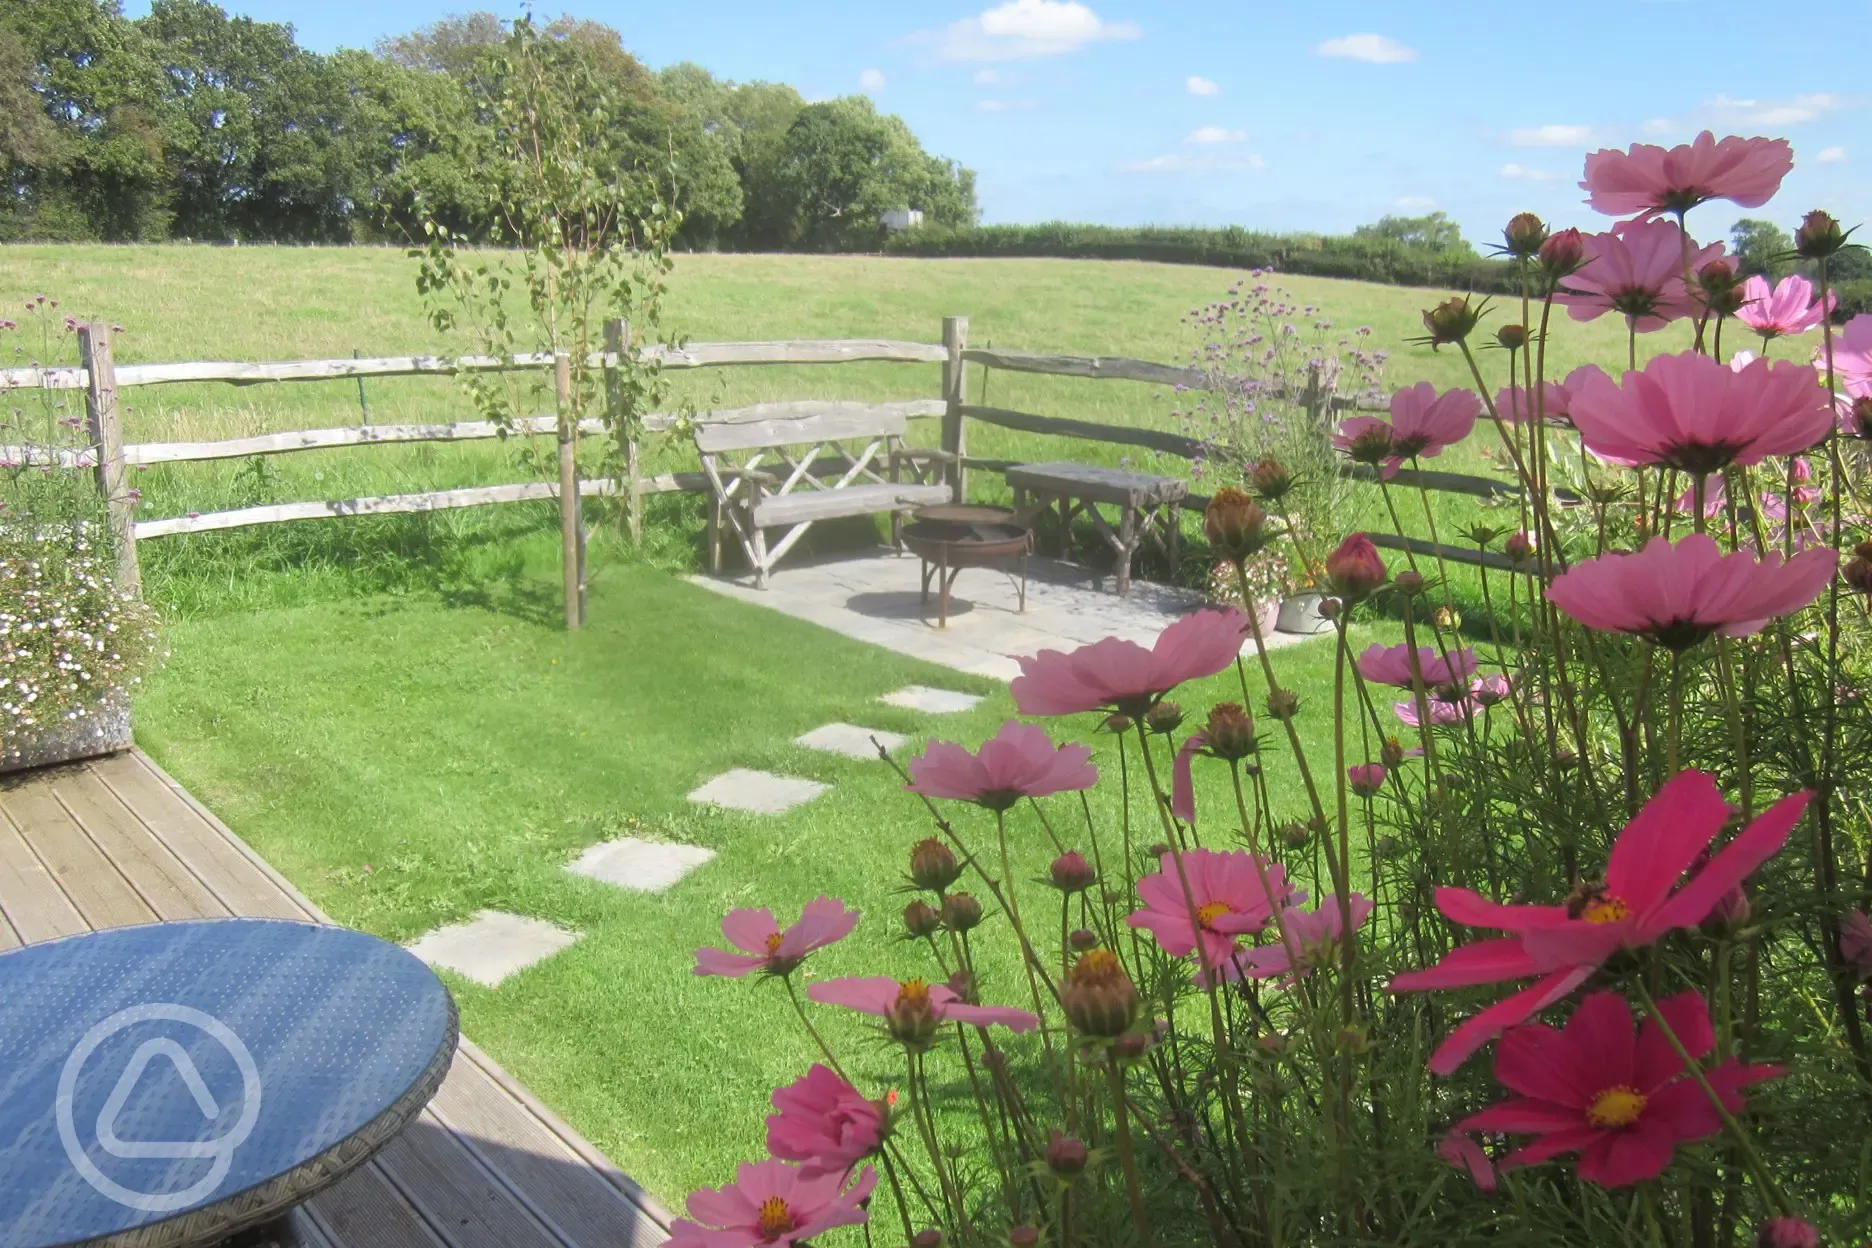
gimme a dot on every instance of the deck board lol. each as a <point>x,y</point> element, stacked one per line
<point>117,841</point>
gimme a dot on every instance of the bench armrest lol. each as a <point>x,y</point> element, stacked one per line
<point>914,453</point>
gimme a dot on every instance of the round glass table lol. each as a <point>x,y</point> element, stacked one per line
<point>175,1083</point>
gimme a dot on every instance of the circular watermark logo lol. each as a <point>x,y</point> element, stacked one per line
<point>219,1151</point>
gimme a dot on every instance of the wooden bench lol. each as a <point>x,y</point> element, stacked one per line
<point>836,460</point>
<point>1147,506</point>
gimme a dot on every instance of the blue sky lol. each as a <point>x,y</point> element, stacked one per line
<point>1279,116</point>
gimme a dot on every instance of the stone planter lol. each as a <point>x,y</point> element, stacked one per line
<point>104,731</point>
<point>1300,613</point>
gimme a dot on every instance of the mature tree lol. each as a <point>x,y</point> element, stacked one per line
<point>1760,247</point>
<point>842,165</point>
<point>449,46</point>
<point>1434,233</point>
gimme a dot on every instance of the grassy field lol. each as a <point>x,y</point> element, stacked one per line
<point>276,303</point>
<point>408,762</point>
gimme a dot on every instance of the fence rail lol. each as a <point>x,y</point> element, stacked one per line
<point>108,458</point>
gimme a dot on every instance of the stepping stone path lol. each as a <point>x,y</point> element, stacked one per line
<point>850,740</point>
<point>639,865</point>
<point>757,792</point>
<point>492,946</point>
<point>931,701</point>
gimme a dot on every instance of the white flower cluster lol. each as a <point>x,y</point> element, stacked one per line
<point>68,639</point>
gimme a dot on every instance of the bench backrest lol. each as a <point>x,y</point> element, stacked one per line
<point>830,425</point>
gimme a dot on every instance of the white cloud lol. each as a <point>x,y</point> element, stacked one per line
<point>871,80</point>
<point>1021,30</point>
<point>1198,85</point>
<point>1183,162</point>
<point>1378,49</point>
<point>1215,134</point>
<point>1789,112</point>
<point>1004,106</point>
<point>1414,203</point>
<point>1549,136</point>
<point>1521,173</point>
<point>1660,125</point>
<point>986,77</point>
<point>1831,155</point>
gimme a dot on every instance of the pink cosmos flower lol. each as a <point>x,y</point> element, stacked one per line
<point>1182,784</point>
<point>772,1204</point>
<point>1316,936</point>
<point>1226,894</point>
<point>823,1123</point>
<point>1119,675</point>
<point>1696,414</point>
<point>913,1009</point>
<point>1366,779</point>
<point>1789,308</point>
<point>1018,761</point>
<point>1645,180</point>
<point>1491,689</point>
<point>1391,665</point>
<point>1422,423</point>
<point>1637,269</point>
<point>1856,941</point>
<point>1639,902</point>
<point>1464,1153</point>
<point>771,951</point>
<point>1516,405</point>
<point>1622,1103</point>
<point>1715,494</point>
<point>1677,595</point>
<point>1446,707</point>
<point>1852,356</point>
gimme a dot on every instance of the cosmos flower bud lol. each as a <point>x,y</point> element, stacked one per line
<point>1097,995</point>
<point>1117,723</point>
<point>1367,780</point>
<point>1519,547</point>
<point>933,865</point>
<point>1066,1155</point>
<point>1082,939</point>
<point>1523,235</point>
<point>1295,835</point>
<point>1283,704</point>
<point>1023,1237</point>
<point>922,919</point>
<point>1391,753</point>
<point>1235,524</point>
<point>962,983</point>
<point>1787,1233</point>
<point>1562,253</point>
<point>1373,444</point>
<point>1720,289</point>
<point>1512,336</point>
<point>930,1238</point>
<point>1229,732</point>
<point>1071,873</point>
<point>1453,320</point>
<point>1354,570</point>
<point>1271,480</point>
<point>961,912</point>
<point>1447,618</point>
<point>1409,583</point>
<point>911,1019</point>
<point>1130,1046</point>
<point>1862,417</point>
<point>1165,717</point>
<point>1819,236</point>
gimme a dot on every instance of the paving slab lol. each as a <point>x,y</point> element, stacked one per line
<point>639,865</point>
<point>850,740</point>
<point>492,946</point>
<point>757,792</point>
<point>931,701</point>
<point>873,597</point>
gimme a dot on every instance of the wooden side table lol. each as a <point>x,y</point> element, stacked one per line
<point>1147,506</point>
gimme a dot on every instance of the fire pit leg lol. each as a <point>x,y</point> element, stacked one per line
<point>1023,584</point>
<point>926,580</point>
<point>948,579</point>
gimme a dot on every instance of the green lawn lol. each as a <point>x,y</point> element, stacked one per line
<point>408,761</point>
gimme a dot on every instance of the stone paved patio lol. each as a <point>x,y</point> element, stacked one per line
<point>873,596</point>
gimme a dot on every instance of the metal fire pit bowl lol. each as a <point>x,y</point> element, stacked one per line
<point>950,538</point>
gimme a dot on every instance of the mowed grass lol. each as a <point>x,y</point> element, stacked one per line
<point>407,762</point>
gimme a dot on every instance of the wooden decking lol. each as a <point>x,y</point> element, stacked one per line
<point>116,841</point>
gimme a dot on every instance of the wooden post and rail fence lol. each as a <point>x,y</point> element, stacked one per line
<point>103,380</point>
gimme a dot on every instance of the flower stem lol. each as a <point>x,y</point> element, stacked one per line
<point>1121,1131</point>
<point>812,1031</point>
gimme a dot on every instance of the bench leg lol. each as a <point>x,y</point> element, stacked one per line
<point>714,533</point>
<point>1127,546</point>
<point>760,558</point>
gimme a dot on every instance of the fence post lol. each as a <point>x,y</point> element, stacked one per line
<point>955,393</point>
<point>617,342</point>
<point>106,429</point>
<point>571,525</point>
<point>1314,398</point>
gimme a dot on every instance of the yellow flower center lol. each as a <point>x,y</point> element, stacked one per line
<point>1605,909</point>
<point>775,1218</point>
<point>773,943</point>
<point>1208,914</point>
<point>912,992</point>
<point>1615,1107</point>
